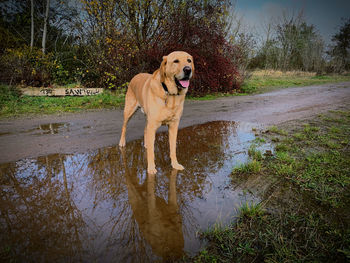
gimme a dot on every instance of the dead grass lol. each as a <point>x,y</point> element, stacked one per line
<point>279,73</point>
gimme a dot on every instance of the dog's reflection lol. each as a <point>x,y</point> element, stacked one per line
<point>160,222</point>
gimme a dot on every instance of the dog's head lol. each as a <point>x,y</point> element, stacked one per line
<point>176,70</point>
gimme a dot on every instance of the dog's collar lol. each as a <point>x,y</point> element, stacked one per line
<point>167,91</point>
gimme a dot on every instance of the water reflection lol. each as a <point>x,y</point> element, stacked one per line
<point>39,219</point>
<point>101,206</point>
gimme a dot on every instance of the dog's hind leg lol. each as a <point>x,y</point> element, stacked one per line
<point>130,107</point>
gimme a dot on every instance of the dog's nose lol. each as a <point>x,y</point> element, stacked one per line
<point>187,70</point>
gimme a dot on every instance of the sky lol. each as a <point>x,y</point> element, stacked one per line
<point>324,14</point>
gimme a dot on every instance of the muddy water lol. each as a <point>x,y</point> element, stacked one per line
<point>101,206</point>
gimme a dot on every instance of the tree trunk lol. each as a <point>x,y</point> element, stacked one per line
<point>32,24</point>
<point>45,25</point>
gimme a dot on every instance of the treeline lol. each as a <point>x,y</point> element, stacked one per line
<point>292,44</point>
<point>103,43</point>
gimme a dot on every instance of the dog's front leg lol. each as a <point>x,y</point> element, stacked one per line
<point>173,127</point>
<point>150,136</point>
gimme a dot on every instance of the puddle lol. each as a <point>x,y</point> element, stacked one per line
<point>51,128</point>
<point>101,206</point>
<point>47,128</point>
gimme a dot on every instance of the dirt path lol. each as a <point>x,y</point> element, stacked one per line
<point>74,133</point>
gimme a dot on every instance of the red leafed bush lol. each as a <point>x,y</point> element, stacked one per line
<point>200,34</point>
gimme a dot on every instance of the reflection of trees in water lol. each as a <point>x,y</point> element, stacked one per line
<point>38,219</point>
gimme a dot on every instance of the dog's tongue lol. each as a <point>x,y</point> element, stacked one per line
<point>184,83</point>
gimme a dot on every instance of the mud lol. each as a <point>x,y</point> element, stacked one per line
<point>93,130</point>
<point>100,206</point>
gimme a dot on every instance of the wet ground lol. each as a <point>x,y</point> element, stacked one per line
<point>68,193</point>
<point>101,206</point>
<point>23,138</point>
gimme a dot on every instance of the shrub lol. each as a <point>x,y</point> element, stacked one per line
<point>29,67</point>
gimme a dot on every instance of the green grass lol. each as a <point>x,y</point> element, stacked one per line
<point>249,168</point>
<point>274,129</point>
<point>13,104</point>
<point>312,159</point>
<point>262,83</point>
<point>260,236</point>
<point>254,153</point>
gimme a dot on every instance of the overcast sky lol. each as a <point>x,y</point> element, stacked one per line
<point>324,14</point>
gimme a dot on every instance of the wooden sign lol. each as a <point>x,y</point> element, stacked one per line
<point>77,91</point>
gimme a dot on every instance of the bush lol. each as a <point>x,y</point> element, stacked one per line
<point>33,68</point>
<point>25,66</point>
<point>201,33</point>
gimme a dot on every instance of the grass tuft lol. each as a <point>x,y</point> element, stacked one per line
<point>248,168</point>
<point>251,210</point>
<point>254,153</point>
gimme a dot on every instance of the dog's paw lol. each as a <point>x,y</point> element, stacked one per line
<point>122,143</point>
<point>151,170</point>
<point>178,166</point>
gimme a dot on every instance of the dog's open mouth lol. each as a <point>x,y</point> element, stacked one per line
<point>182,83</point>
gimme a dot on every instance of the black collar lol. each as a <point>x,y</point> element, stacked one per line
<point>167,91</point>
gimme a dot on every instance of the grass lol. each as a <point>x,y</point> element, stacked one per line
<point>313,160</point>
<point>13,104</point>
<point>265,80</point>
<point>250,167</point>
<point>260,236</point>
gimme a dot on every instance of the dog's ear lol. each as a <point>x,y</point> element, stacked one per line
<point>162,69</point>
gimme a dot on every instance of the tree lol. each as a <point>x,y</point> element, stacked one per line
<point>294,45</point>
<point>45,25</point>
<point>32,24</point>
<point>340,50</point>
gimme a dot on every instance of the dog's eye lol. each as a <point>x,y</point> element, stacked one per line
<point>189,61</point>
<point>176,61</point>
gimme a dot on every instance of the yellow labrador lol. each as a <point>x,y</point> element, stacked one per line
<point>161,96</point>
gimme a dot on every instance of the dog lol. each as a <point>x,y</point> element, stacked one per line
<point>161,96</point>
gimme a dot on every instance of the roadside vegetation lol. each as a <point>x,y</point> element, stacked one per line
<point>307,219</point>
<point>266,80</point>
<point>13,104</point>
